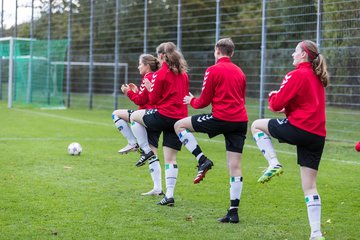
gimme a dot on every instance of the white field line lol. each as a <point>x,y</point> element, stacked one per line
<point>109,125</point>
<point>75,120</point>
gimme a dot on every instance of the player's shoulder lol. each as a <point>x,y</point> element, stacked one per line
<point>213,69</point>
<point>294,78</point>
<point>159,74</point>
<point>293,74</point>
<point>148,75</point>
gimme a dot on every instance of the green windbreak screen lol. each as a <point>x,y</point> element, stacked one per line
<point>38,71</point>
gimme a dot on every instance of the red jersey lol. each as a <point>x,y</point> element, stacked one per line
<point>224,87</point>
<point>141,98</point>
<point>302,95</point>
<point>168,91</point>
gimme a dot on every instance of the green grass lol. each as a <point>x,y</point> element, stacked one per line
<point>47,194</point>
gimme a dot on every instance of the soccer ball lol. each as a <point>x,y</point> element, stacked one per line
<point>74,149</point>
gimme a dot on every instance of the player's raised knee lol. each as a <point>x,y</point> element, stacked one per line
<point>179,126</point>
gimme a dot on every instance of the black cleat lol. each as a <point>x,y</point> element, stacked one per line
<point>230,217</point>
<point>167,202</point>
<point>143,158</point>
<point>202,169</point>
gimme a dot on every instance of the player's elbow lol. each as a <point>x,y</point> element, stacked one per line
<point>275,108</point>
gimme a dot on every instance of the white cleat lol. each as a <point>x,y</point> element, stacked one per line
<point>153,192</point>
<point>129,148</point>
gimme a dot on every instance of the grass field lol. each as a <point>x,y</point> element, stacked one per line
<point>47,194</point>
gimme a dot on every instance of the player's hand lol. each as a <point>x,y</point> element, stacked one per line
<point>125,88</point>
<point>187,99</point>
<point>133,87</point>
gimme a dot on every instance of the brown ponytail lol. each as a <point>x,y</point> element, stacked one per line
<point>173,57</point>
<point>150,60</point>
<point>318,61</point>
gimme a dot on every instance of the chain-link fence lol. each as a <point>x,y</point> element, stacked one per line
<point>105,34</point>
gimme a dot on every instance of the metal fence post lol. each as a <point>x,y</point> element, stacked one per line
<point>91,60</point>
<point>179,26</point>
<point>16,13</point>
<point>116,53</point>
<point>1,35</point>
<point>217,27</point>
<point>29,83</point>
<point>318,23</point>
<point>263,59</point>
<point>11,72</point>
<point>14,60</point>
<point>68,69</point>
<point>48,55</point>
<point>145,25</point>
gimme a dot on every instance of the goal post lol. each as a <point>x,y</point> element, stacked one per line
<point>115,90</point>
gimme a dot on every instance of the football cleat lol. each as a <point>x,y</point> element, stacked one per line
<point>153,192</point>
<point>129,148</point>
<point>202,169</point>
<point>144,157</point>
<point>140,150</point>
<point>230,217</point>
<point>270,172</point>
<point>167,202</point>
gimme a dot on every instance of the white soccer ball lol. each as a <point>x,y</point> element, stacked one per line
<point>74,149</point>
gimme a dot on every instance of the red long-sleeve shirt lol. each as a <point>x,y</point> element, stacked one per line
<point>168,91</point>
<point>302,95</point>
<point>224,88</point>
<point>141,98</point>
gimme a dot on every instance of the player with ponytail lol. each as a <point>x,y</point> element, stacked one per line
<point>301,97</point>
<point>167,88</point>
<point>148,64</point>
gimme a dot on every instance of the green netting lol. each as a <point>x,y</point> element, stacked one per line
<point>38,71</point>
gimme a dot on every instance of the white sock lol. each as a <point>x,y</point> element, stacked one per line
<point>140,133</point>
<point>124,129</point>
<point>313,203</point>
<point>235,191</point>
<point>263,141</point>
<point>171,173</point>
<point>155,172</point>
<point>189,141</point>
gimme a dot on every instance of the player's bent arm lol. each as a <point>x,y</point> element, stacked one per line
<point>138,99</point>
<point>155,92</point>
<point>206,96</point>
<point>201,102</point>
<point>288,90</point>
